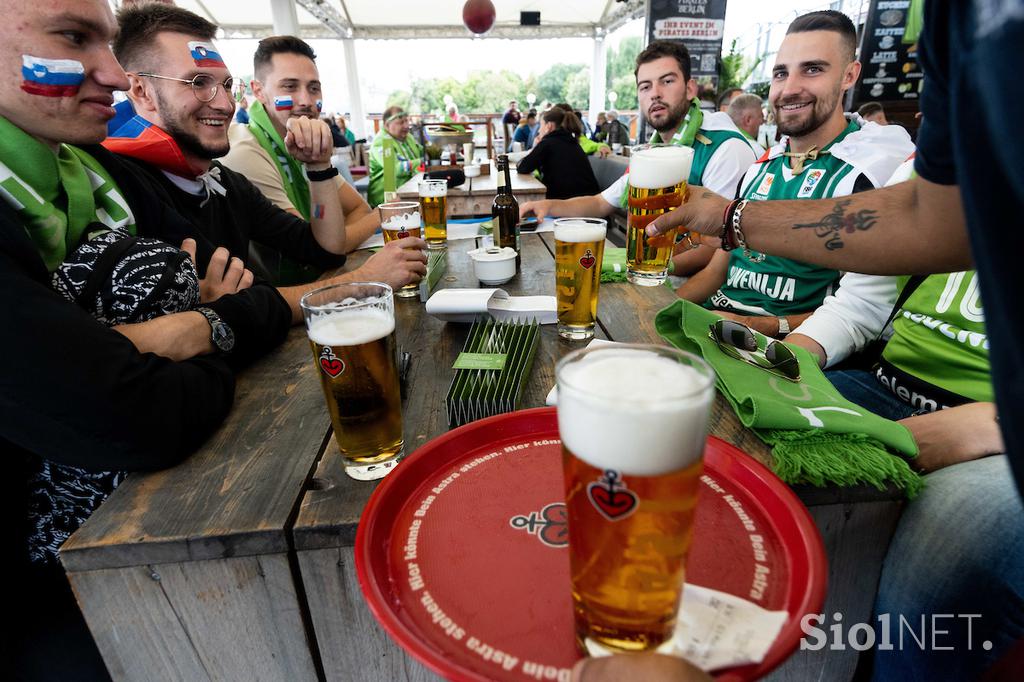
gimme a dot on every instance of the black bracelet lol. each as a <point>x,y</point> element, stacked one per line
<point>321,175</point>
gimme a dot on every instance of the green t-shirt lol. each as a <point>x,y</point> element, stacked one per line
<point>407,157</point>
<point>939,338</point>
<point>780,286</point>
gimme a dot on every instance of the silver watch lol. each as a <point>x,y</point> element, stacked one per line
<point>783,326</point>
<point>220,333</point>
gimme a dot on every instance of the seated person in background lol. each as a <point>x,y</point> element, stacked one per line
<point>337,137</point>
<point>175,136</point>
<point>614,131</point>
<point>242,115</point>
<point>726,98</point>
<point>599,126</point>
<point>821,155</point>
<point>747,113</point>
<point>342,125</point>
<point>286,85</point>
<point>575,126</point>
<point>587,130</point>
<point>563,166</point>
<point>524,131</point>
<point>873,111</point>
<point>406,155</point>
<point>77,392</point>
<point>666,95</point>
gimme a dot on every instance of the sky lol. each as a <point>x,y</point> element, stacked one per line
<point>388,65</point>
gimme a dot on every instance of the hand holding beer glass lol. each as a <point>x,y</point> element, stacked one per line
<point>579,247</point>
<point>657,184</point>
<point>351,329</point>
<point>434,208</point>
<point>400,219</point>
<point>633,422</point>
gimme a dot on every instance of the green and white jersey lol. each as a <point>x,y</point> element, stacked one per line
<point>939,339</point>
<point>721,155</point>
<point>859,158</point>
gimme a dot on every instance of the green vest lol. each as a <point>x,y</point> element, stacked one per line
<point>406,157</point>
<point>780,286</point>
<point>939,336</point>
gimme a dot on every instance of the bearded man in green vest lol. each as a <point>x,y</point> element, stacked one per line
<point>287,86</point>
<point>667,97</point>
<point>821,154</point>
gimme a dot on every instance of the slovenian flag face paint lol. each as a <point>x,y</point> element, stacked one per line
<point>205,55</point>
<point>282,103</point>
<point>51,77</point>
<point>319,105</point>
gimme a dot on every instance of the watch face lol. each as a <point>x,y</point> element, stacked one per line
<point>223,337</point>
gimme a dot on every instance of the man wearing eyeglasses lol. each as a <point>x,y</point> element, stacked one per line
<point>181,92</point>
<point>287,87</point>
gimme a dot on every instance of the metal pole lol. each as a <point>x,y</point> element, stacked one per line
<point>597,79</point>
<point>286,20</point>
<point>355,100</point>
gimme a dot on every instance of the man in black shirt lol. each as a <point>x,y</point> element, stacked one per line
<point>183,103</point>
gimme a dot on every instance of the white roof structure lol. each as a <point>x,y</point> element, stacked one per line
<point>402,19</point>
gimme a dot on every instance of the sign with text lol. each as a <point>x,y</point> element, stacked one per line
<point>890,71</point>
<point>699,24</point>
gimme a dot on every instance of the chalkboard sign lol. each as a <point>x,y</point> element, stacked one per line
<point>890,71</point>
<point>698,24</point>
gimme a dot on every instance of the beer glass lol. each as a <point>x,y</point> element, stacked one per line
<point>579,246</point>
<point>351,329</point>
<point>434,207</point>
<point>633,422</point>
<point>657,184</point>
<point>400,219</point>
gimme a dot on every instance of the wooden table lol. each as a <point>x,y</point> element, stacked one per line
<point>238,564</point>
<point>474,196</point>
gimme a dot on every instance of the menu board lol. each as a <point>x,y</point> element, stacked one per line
<point>698,24</point>
<point>890,71</point>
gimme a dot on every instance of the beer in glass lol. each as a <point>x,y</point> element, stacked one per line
<point>657,184</point>
<point>579,246</point>
<point>633,421</point>
<point>400,219</point>
<point>434,207</point>
<point>351,329</point>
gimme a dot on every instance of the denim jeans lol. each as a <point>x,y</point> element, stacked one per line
<point>958,552</point>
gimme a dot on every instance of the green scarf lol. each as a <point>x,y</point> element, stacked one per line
<point>816,435</point>
<point>613,265</point>
<point>57,195</point>
<point>688,129</point>
<point>295,183</point>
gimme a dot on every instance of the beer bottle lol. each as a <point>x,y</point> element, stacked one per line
<point>505,211</point>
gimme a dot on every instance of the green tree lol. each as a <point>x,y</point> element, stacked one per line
<point>577,89</point>
<point>621,61</point>
<point>734,69</point>
<point>625,87</point>
<point>551,85</point>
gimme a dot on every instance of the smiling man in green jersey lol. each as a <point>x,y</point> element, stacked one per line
<point>822,154</point>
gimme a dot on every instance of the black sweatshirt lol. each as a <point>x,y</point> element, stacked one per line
<point>564,166</point>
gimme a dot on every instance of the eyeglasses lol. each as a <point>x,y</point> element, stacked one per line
<point>739,342</point>
<point>204,86</point>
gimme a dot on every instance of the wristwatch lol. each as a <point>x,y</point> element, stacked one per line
<point>220,333</point>
<point>321,175</point>
<point>783,326</point>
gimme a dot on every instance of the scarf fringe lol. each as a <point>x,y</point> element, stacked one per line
<point>821,458</point>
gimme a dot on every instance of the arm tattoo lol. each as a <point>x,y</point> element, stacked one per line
<point>832,226</point>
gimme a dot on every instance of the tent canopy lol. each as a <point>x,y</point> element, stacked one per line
<point>402,19</point>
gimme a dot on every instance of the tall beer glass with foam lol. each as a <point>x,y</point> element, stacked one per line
<point>657,184</point>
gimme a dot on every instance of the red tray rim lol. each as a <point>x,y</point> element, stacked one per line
<point>784,511</point>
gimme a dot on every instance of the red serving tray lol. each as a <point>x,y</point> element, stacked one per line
<point>484,594</point>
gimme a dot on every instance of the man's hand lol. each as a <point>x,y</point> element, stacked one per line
<point>401,262</point>
<point>309,141</point>
<point>539,208</point>
<point>769,326</point>
<point>178,336</point>
<point>702,213</point>
<point>958,434</point>
<point>604,151</point>
<point>224,275</point>
<point>645,667</point>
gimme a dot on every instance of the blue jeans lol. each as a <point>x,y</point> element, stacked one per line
<point>958,551</point>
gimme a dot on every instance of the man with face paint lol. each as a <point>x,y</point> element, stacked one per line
<point>75,392</point>
<point>667,97</point>
<point>286,87</point>
<point>394,155</point>
<point>821,154</point>
<point>181,93</point>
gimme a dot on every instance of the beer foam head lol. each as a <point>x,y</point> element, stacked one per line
<point>437,189</point>
<point>633,410</point>
<point>402,221</point>
<point>340,327</point>
<point>657,167</point>
<point>569,230</point>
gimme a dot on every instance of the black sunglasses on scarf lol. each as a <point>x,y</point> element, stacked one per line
<point>739,342</point>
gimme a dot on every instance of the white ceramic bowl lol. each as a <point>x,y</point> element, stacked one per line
<point>472,170</point>
<point>493,265</point>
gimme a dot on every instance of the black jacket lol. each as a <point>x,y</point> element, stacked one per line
<point>565,169</point>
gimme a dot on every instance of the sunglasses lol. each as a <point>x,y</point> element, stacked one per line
<point>738,341</point>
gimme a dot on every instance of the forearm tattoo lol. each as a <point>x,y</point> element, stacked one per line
<point>832,226</point>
